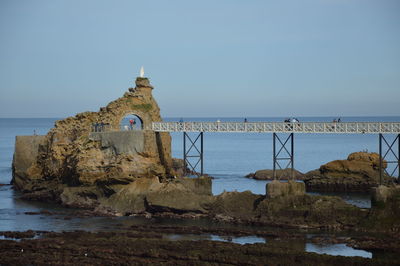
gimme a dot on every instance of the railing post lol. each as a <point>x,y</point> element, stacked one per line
<point>201,154</point>
<point>274,155</point>
<point>292,156</point>
<point>380,159</point>
<point>184,154</point>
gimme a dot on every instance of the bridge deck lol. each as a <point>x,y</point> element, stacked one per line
<point>281,127</point>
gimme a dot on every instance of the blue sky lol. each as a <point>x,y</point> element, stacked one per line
<point>204,58</point>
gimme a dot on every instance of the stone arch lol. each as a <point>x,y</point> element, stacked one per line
<point>125,124</point>
<point>144,118</point>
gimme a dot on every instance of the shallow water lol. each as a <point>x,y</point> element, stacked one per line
<point>329,249</point>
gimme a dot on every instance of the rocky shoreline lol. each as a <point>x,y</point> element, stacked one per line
<point>145,245</point>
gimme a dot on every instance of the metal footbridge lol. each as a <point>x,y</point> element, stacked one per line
<point>281,127</point>
<point>283,139</point>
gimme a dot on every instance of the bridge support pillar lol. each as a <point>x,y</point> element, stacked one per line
<point>386,149</point>
<point>192,154</point>
<point>283,153</point>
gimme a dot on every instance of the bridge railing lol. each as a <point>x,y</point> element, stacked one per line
<point>283,127</point>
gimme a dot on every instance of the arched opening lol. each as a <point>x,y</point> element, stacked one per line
<point>131,122</point>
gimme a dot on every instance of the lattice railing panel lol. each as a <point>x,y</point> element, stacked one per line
<point>280,127</point>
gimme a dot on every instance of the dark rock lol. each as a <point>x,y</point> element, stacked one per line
<point>308,211</point>
<point>230,206</point>
<point>18,235</point>
<point>281,174</point>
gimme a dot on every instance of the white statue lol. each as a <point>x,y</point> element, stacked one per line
<point>142,72</point>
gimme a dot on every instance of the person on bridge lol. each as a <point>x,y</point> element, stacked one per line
<point>131,123</point>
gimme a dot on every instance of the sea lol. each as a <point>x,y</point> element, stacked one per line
<point>228,157</point>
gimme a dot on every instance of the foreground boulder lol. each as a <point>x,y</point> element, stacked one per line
<point>359,172</point>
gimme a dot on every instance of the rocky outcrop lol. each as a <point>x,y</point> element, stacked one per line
<point>73,160</point>
<point>143,195</point>
<point>359,172</point>
<point>281,174</point>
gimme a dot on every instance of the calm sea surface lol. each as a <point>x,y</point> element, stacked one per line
<point>227,156</point>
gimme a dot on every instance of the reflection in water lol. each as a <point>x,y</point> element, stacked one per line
<point>330,249</point>
<point>337,249</point>
<point>238,240</point>
<point>361,200</point>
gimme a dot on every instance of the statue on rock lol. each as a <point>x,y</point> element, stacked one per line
<point>142,72</point>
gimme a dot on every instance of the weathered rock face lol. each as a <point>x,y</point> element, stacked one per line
<point>143,195</point>
<point>71,155</point>
<point>281,174</point>
<point>359,172</point>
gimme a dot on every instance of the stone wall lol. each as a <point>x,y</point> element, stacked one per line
<point>25,153</point>
<point>120,142</point>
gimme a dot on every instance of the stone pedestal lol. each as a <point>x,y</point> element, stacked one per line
<point>382,194</point>
<point>283,189</point>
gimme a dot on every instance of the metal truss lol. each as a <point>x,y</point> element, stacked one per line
<point>390,148</point>
<point>191,150</point>
<point>288,155</point>
<point>280,127</point>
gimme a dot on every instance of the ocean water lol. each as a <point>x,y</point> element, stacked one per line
<point>228,157</point>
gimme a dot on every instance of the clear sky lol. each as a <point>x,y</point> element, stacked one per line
<point>204,58</point>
